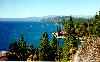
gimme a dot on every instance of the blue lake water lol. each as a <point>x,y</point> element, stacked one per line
<point>11,31</point>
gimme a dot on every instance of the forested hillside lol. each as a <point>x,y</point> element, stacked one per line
<point>74,28</point>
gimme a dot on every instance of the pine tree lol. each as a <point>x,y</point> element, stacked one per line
<point>55,49</point>
<point>53,45</point>
<point>59,51</point>
<point>69,27</point>
<point>21,49</point>
<point>14,47</point>
<point>44,49</point>
<point>96,16</point>
<point>66,55</point>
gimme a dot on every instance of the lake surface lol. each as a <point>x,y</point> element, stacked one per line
<point>11,31</point>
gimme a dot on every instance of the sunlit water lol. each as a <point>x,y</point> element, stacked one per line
<point>11,31</point>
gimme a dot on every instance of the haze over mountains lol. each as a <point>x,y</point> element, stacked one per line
<point>49,18</point>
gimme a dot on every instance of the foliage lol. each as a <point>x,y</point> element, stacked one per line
<point>79,27</point>
<point>55,49</point>
<point>74,28</point>
<point>66,50</point>
<point>44,48</point>
<point>21,49</point>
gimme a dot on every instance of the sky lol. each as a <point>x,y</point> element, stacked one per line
<point>39,8</point>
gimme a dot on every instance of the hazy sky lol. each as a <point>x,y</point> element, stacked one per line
<point>31,8</point>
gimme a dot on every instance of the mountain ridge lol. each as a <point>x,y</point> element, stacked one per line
<point>49,18</point>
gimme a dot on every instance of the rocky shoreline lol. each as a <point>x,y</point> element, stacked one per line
<point>89,51</point>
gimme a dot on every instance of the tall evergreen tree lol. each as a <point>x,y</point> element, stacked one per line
<point>55,49</point>
<point>44,49</point>
<point>66,55</point>
<point>69,41</point>
<point>69,27</point>
<point>96,16</point>
<point>59,51</point>
<point>21,49</point>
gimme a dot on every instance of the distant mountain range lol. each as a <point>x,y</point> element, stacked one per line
<point>50,18</point>
<point>37,19</point>
<point>54,19</point>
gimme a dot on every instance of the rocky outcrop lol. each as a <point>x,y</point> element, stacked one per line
<point>89,51</point>
<point>3,55</point>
